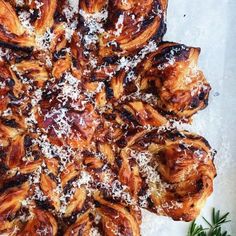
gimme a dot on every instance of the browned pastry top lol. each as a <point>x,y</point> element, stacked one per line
<point>89,95</point>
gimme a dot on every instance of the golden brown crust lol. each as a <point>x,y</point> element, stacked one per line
<point>45,22</point>
<point>41,222</point>
<point>87,91</point>
<point>132,25</point>
<point>177,170</point>
<point>181,87</point>
<point>12,33</point>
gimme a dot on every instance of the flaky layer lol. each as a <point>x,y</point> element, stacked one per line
<point>88,94</point>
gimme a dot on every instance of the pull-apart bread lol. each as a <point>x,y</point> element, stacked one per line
<point>89,95</point>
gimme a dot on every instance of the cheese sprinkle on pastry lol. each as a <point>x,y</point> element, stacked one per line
<point>89,93</point>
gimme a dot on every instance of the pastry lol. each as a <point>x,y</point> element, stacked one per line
<point>89,93</point>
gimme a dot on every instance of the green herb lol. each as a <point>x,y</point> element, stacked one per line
<point>196,230</point>
<point>213,227</point>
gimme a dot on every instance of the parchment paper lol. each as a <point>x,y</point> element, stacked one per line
<point>211,25</point>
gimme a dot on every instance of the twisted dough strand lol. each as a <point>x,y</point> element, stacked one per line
<point>88,95</point>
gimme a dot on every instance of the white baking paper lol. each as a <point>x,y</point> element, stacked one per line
<point>211,25</point>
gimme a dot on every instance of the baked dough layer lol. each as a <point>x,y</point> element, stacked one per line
<point>89,93</point>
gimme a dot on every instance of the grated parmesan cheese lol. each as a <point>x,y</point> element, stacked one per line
<point>143,160</point>
<point>38,5</point>
<point>7,112</point>
<point>24,17</point>
<point>20,3</point>
<point>70,29</point>
<point>94,232</point>
<point>36,97</point>
<point>94,23</point>
<point>4,53</point>
<point>43,41</point>
<point>119,25</point>
<point>62,121</point>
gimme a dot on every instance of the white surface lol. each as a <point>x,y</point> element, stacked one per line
<point>211,25</point>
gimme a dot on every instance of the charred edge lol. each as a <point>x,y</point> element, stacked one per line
<point>53,177</point>
<point>113,15</point>
<point>196,137</point>
<point>59,17</point>
<point>75,63</point>
<point>86,153</point>
<point>22,212</point>
<point>93,167</point>
<point>130,86</point>
<point>121,143</point>
<point>152,88</point>
<point>141,143</point>
<point>69,185</point>
<point>161,32</point>
<point>118,161</point>
<point>110,117</point>
<point>10,123</point>
<point>110,59</point>
<point>21,8</point>
<point>36,154</point>
<point>10,82</point>
<point>23,56</point>
<point>27,109</point>
<point>195,102</point>
<point>34,15</point>
<point>47,95</point>
<point>28,141</point>
<point>199,185</point>
<point>181,53</point>
<point>173,135</point>
<point>3,167</point>
<point>203,95</point>
<point>70,219</point>
<point>15,181</point>
<point>59,54</point>
<point>128,117</point>
<point>97,204</point>
<point>3,153</point>
<point>206,102</point>
<point>130,132</point>
<point>151,205</point>
<point>201,98</point>
<point>143,190</point>
<point>151,137</point>
<point>109,91</point>
<point>16,47</point>
<point>44,204</point>
<point>146,23</point>
<point>12,97</point>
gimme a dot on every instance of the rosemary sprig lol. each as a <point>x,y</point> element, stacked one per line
<point>214,227</point>
<point>196,230</point>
